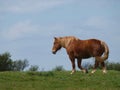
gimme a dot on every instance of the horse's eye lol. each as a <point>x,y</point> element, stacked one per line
<point>54,43</point>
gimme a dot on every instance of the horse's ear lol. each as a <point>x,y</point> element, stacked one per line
<point>55,38</point>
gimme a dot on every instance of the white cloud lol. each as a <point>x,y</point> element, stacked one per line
<point>19,30</point>
<point>22,6</point>
<point>27,29</point>
<point>97,22</point>
<point>102,23</point>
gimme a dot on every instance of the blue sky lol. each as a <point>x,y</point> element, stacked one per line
<point>27,28</point>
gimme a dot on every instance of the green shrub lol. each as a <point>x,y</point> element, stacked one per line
<point>59,68</point>
<point>34,68</point>
<point>5,62</point>
<point>113,66</point>
<point>109,65</point>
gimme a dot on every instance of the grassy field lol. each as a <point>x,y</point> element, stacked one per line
<point>59,81</point>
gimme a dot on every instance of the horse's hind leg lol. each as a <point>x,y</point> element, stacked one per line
<point>95,66</point>
<point>103,67</point>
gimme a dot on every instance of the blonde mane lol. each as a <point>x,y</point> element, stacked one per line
<point>65,41</point>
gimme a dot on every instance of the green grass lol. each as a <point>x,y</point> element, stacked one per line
<point>62,80</point>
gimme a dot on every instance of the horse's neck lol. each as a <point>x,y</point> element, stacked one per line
<point>63,43</point>
<point>66,41</point>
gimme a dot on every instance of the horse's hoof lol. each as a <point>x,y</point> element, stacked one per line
<point>72,72</point>
<point>104,71</point>
<point>93,71</point>
<point>84,71</point>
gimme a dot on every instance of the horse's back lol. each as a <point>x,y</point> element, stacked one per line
<point>86,48</point>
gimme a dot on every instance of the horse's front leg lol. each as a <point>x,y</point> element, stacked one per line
<point>73,64</point>
<point>79,65</point>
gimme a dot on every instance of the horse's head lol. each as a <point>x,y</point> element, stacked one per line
<point>56,45</point>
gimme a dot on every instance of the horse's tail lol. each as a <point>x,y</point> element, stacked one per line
<point>106,53</point>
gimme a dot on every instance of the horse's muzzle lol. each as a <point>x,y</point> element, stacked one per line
<point>53,51</point>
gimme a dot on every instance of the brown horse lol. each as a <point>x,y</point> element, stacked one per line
<point>81,49</point>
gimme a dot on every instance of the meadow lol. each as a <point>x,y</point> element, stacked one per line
<point>59,80</point>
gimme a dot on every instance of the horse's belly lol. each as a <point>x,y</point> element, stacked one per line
<point>83,55</point>
<point>88,56</point>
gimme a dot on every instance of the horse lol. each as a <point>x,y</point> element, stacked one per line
<point>82,49</point>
